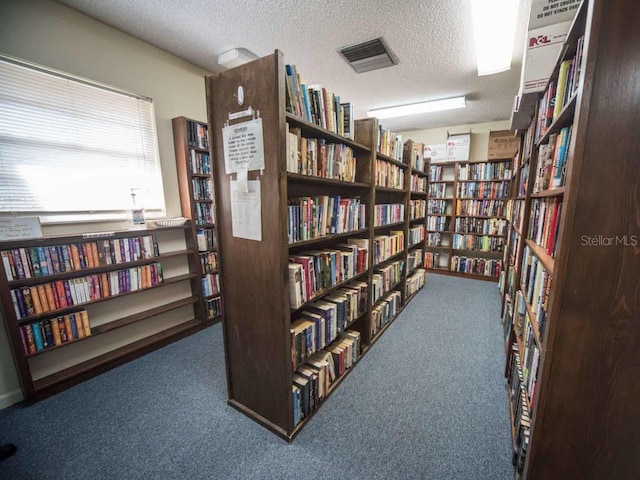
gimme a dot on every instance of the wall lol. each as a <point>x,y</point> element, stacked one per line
<point>50,34</point>
<point>479,136</point>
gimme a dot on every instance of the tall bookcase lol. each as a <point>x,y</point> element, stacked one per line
<point>571,312</point>
<point>466,226</point>
<point>195,179</point>
<point>267,306</point>
<point>78,305</point>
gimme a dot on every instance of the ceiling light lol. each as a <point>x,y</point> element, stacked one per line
<point>415,108</point>
<point>494,29</point>
<point>235,57</point>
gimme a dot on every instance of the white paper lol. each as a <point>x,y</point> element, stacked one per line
<point>19,228</point>
<point>437,153</point>
<point>243,180</point>
<point>458,147</point>
<point>243,146</point>
<point>246,211</point>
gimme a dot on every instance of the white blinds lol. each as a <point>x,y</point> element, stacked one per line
<point>71,147</point>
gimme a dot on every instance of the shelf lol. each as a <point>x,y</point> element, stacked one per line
<point>546,260</point>
<point>388,259</point>
<point>335,236</point>
<point>387,292</point>
<point>314,130</point>
<point>441,198</point>
<point>441,181</point>
<point>483,198</point>
<point>439,215</point>
<point>496,160</point>
<point>215,270</point>
<point>27,282</point>
<point>421,219</point>
<point>482,216</point>
<point>299,177</point>
<point>478,181</point>
<point>203,200</point>
<point>321,293</point>
<point>565,119</point>
<point>205,225</point>
<point>446,271</point>
<point>422,194</point>
<point>389,189</point>
<point>388,159</point>
<point>555,192</point>
<point>198,149</point>
<point>388,225</point>
<point>440,247</point>
<point>479,234</point>
<point>417,244</point>
<point>115,357</point>
<point>80,306</point>
<point>533,317</point>
<point>474,252</point>
<point>438,231</point>
<point>200,175</point>
<point>420,173</point>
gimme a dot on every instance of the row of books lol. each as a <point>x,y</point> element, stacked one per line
<point>418,184</point>
<point>438,224</point>
<point>209,262</point>
<point>200,163</point>
<point>312,272</point>
<point>432,260</point>
<point>317,105</point>
<point>435,173</point>
<point>486,226</point>
<point>523,182</point>
<point>437,190</point>
<point>552,161</point>
<point>438,206</point>
<point>389,175</point>
<point>516,213</point>
<point>389,143</point>
<point>314,217</point>
<point>52,296</point>
<point>519,404</point>
<point>514,244</point>
<point>417,209</point>
<point>385,311</point>
<point>384,278</point>
<point>388,213</point>
<point>485,171</point>
<point>528,348</point>
<point>475,242</point>
<point>478,266</point>
<point>213,306</point>
<point>312,381</point>
<point>415,282</point>
<point>32,262</point>
<point>484,208</point>
<point>202,188</point>
<point>198,135</point>
<point>434,239</point>
<point>544,223</point>
<point>386,246</point>
<point>414,259</point>
<point>483,190</point>
<point>318,158</point>
<point>536,283</point>
<point>54,332</point>
<point>558,93</point>
<point>206,238</point>
<point>210,284</point>
<point>416,160</point>
<point>415,235</point>
<point>204,213</point>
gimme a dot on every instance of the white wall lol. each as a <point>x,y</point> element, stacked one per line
<point>479,136</point>
<point>50,34</point>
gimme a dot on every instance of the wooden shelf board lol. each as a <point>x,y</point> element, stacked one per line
<point>324,133</point>
<point>473,252</point>
<point>198,149</point>
<point>200,175</point>
<point>387,158</point>
<point>555,192</point>
<point>442,247</point>
<point>439,215</point>
<point>299,177</point>
<point>211,297</point>
<point>483,198</point>
<point>546,260</point>
<point>389,225</point>
<point>380,188</point>
<point>205,225</point>
<point>442,181</point>
<point>479,234</point>
<point>479,181</point>
<point>482,216</point>
<point>202,200</point>
<point>311,241</point>
<point>80,306</point>
<point>390,258</point>
<point>441,198</point>
<point>475,276</point>
<point>417,219</point>
<point>420,173</point>
<point>422,194</point>
<point>533,317</point>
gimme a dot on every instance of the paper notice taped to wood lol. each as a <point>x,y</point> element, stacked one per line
<point>246,210</point>
<point>19,228</point>
<point>243,146</point>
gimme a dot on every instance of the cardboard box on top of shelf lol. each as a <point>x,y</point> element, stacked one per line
<point>502,144</point>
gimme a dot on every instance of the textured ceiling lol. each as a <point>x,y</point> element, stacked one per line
<point>432,38</point>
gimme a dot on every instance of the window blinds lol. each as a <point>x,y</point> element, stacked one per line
<point>68,146</point>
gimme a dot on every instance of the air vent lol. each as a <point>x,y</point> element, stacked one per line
<point>369,55</point>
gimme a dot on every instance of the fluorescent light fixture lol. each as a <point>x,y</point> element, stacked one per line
<point>494,29</point>
<point>235,57</point>
<point>415,108</point>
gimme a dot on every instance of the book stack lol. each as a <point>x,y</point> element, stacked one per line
<point>415,282</point>
<point>544,223</point>
<point>386,246</point>
<point>483,190</point>
<point>483,208</point>
<point>417,209</point>
<point>434,239</point>
<point>317,105</point>
<point>389,175</point>
<point>389,143</point>
<point>475,242</point>
<point>213,307</point>
<point>438,206</point>
<point>388,213</point>
<point>209,262</point>
<point>206,239</point>
<point>384,311</point>
<point>385,277</point>
<point>198,135</point>
<point>484,171</point>
<point>437,190</point>
<point>199,163</point>
<point>54,332</point>
<point>414,259</point>
<point>536,284</point>
<point>487,226</point>
<point>204,213</point>
<point>314,217</point>
<point>477,266</point>
<point>438,224</point>
<point>210,284</point>
<point>202,188</point>
<point>552,160</point>
<point>431,260</point>
<point>418,184</point>
<point>416,235</point>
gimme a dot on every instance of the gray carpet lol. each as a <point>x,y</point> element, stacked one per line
<point>427,402</point>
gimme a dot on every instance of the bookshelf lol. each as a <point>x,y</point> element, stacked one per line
<point>465,225</point>
<point>78,305</point>
<point>281,293</point>
<point>195,180</point>
<point>571,327</point>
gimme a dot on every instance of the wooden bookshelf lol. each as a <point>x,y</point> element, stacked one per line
<point>259,293</point>
<point>115,278</point>
<point>585,411</point>
<point>195,180</point>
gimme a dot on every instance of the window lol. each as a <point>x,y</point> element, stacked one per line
<point>74,150</point>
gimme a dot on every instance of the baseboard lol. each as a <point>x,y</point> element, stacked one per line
<point>10,398</point>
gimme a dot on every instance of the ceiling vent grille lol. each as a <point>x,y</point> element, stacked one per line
<point>369,55</point>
